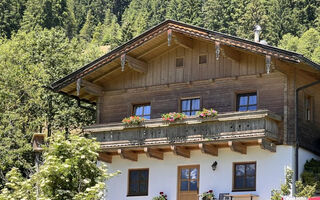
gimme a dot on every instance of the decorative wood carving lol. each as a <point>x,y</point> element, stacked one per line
<point>128,155</point>
<point>123,61</point>
<point>217,46</point>
<point>153,153</point>
<point>267,145</point>
<point>268,64</point>
<point>209,149</point>
<point>169,36</point>
<point>237,147</point>
<point>181,151</point>
<point>105,157</point>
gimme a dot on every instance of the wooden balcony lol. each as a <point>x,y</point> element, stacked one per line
<point>235,130</point>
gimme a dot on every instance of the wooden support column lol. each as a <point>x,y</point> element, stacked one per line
<point>209,149</point>
<point>267,145</point>
<point>128,155</point>
<point>105,157</point>
<point>181,151</point>
<point>238,147</point>
<point>153,153</point>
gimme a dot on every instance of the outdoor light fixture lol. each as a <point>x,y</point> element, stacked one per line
<point>214,166</point>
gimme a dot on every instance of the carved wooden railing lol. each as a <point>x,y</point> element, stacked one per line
<point>251,125</point>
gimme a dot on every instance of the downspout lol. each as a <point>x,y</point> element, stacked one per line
<point>297,145</point>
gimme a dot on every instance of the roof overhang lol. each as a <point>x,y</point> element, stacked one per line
<point>189,31</point>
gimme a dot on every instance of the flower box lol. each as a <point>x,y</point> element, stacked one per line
<point>173,118</point>
<point>207,113</point>
<point>133,121</point>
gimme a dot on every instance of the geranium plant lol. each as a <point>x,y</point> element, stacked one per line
<point>173,116</point>
<point>161,196</point>
<point>206,113</point>
<point>209,195</point>
<point>133,120</point>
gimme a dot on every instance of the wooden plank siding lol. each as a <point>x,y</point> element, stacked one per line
<point>162,68</point>
<point>220,94</point>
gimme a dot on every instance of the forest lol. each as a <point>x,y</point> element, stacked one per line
<point>44,40</point>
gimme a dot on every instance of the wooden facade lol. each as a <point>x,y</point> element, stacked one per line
<point>174,61</point>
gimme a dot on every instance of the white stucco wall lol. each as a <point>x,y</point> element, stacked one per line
<point>305,155</point>
<point>163,173</point>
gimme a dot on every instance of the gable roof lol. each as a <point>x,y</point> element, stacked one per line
<point>189,30</point>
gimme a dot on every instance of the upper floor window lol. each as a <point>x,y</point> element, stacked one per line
<point>244,176</point>
<point>247,101</point>
<point>203,59</point>
<point>179,62</point>
<point>142,110</point>
<point>190,106</point>
<point>138,182</point>
<point>308,101</point>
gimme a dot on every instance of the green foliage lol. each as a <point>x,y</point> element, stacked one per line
<point>69,171</point>
<point>308,44</point>
<point>302,190</point>
<point>311,173</point>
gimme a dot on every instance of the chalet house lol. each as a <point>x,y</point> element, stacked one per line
<point>268,104</point>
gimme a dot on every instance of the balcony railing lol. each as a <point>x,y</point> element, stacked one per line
<point>234,126</point>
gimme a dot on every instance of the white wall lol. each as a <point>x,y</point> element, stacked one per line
<point>163,173</point>
<point>305,155</point>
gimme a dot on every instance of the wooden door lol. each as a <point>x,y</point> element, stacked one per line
<point>188,182</point>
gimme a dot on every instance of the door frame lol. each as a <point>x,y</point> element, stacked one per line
<point>178,177</point>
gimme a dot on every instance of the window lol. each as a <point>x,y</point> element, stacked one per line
<point>244,176</point>
<point>143,110</point>
<point>179,62</point>
<point>308,108</point>
<point>247,102</point>
<point>138,182</point>
<point>188,178</point>
<point>203,59</point>
<point>190,106</point>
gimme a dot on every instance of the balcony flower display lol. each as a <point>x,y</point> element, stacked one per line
<point>209,195</point>
<point>173,116</point>
<point>206,113</point>
<point>161,196</point>
<point>133,121</point>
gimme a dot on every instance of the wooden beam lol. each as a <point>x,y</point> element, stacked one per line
<point>128,155</point>
<point>91,88</point>
<point>209,149</point>
<point>267,145</point>
<point>183,41</point>
<point>231,53</point>
<point>181,151</point>
<point>161,45</point>
<point>105,157</point>
<point>98,78</point>
<point>153,153</point>
<point>237,147</point>
<point>137,65</point>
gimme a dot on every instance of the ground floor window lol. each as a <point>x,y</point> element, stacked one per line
<point>138,182</point>
<point>244,176</point>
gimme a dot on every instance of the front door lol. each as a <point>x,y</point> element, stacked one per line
<point>188,182</point>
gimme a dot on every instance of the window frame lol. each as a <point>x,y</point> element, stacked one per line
<point>147,183</point>
<point>190,98</point>
<point>206,55</point>
<point>234,176</point>
<point>311,107</point>
<point>239,94</point>
<point>134,106</point>
<point>181,57</point>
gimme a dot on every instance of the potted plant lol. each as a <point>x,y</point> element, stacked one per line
<point>173,117</point>
<point>161,196</point>
<point>133,121</point>
<point>207,113</point>
<point>209,195</point>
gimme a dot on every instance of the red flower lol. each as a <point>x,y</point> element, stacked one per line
<point>161,193</point>
<point>210,191</point>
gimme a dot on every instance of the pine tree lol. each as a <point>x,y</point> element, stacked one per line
<point>88,28</point>
<point>188,11</point>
